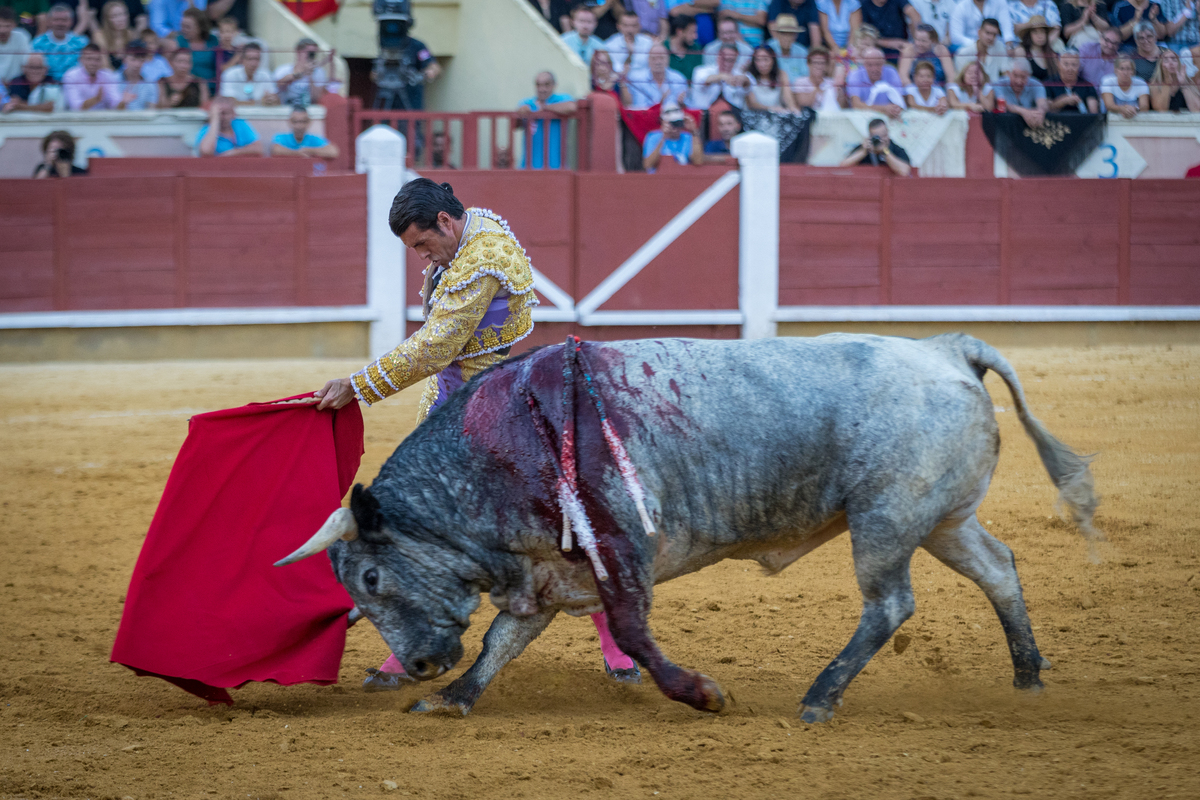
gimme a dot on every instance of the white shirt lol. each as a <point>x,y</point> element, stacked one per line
<point>962,95</point>
<point>235,84</point>
<point>745,52</point>
<point>301,87</point>
<point>647,93</point>
<point>997,58</point>
<point>935,94</point>
<point>882,93</point>
<point>826,98</point>
<point>1137,89</point>
<point>936,13</point>
<point>966,19</point>
<point>618,50</point>
<point>704,95</point>
<point>13,54</point>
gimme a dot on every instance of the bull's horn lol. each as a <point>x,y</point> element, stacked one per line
<point>340,525</point>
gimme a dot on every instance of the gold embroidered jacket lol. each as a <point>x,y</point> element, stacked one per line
<point>481,304</point>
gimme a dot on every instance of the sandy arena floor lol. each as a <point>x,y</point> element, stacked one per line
<point>87,449</point>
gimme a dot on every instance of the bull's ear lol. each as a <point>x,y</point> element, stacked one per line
<point>365,508</point>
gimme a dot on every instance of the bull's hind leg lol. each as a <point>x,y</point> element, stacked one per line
<point>881,564</point>
<point>971,551</point>
<point>505,640</point>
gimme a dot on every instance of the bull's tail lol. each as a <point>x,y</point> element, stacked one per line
<point>1068,469</point>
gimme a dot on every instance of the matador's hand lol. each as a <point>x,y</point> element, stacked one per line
<point>334,394</point>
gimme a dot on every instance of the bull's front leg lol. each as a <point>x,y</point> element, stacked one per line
<point>505,640</point>
<point>627,596</point>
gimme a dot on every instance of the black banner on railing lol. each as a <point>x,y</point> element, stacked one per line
<point>1058,147</point>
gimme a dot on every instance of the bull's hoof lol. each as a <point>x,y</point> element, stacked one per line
<point>631,675</point>
<point>710,698</point>
<point>379,681</point>
<point>436,703</point>
<point>814,715</point>
<point>1046,663</point>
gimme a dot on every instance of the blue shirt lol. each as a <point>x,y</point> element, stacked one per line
<point>165,15</point>
<point>753,34</point>
<point>60,56</point>
<point>288,140</point>
<point>680,149</point>
<point>534,145</point>
<point>243,135</point>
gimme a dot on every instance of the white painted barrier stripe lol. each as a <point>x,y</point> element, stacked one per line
<point>167,317</point>
<point>672,317</point>
<point>551,290</point>
<point>987,314</point>
<point>657,243</point>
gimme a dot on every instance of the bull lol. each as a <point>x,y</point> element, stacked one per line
<point>759,450</point>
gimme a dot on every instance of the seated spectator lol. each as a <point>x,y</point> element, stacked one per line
<point>606,79</point>
<point>249,83</point>
<point>1083,21</point>
<point>629,47</point>
<point>554,12</point>
<point>925,47</point>
<point>195,34</point>
<point>87,86</point>
<point>60,44</point>
<point>58,157</point>
<point>729,125</point>
<point>936,14</point>
<point>792,56</point>
<point>728,34</point>
<point>1123,92</point>
<point>702,11</point>
<point>302,82</point>
<point>113,33</point>
<point>439,151</point>
<point>878,150</point>
<point>1170,88</point>
<point>875,85</point>
<point>922,94</point>
<point>987,50</point>
<point>34,89</point>
<point>544,100</point>
<point>751,17</point>
<point>818,90</point>
<point>685,55</point>
<point>14,45</point>
<point>156,66</point>
<point>1071,93</point>
<point>1022,95</point>
<point>1145,57</point>
<point>658,83</point>
<point>135,92</point>
<point>225,135</point>
<point>1126,15</point>
<point>968,17</point>
<point>894,19</point>
<point>724,79</point>
<point>300,142</point>
<point>166,16</point>
<point>230,42</point>
<point>652,17</point>
<point>770,89</point>
<point>864,39</point>
<point>580,38</point>
<point>182,89</point>
<point>1181,27</point>
<point>968,91</point>
<point>1024,15</point>
<point>839,20</point>
<point>607,13</point>
<point>1097,58</point>
<point>1037,49</point>
<point>677,138</point>
<point>806,16</point>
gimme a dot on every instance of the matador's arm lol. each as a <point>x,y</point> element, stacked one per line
<point>452,320</point>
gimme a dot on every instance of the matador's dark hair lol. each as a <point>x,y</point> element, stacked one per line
<point>419,203</point>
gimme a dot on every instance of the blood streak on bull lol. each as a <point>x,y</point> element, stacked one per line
<point>796,442</point>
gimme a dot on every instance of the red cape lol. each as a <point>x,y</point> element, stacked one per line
<point>206,610</point>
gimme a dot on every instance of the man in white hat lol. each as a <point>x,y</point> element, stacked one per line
<point>793,56</point>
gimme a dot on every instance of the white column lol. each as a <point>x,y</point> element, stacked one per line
<point>380,152</point>
<point>758,238</point>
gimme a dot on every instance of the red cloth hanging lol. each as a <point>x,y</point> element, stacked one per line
<point>206,610</point>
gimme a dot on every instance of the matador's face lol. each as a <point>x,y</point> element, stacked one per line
<point>437,245</point>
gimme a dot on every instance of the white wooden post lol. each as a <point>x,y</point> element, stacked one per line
<point>758,238</point>
<point>380,153</point>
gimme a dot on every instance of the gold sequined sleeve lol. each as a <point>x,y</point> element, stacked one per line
<point>452,320</point>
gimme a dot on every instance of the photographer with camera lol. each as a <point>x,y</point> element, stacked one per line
<point>404,64</point>
<point>58,157</point>
<point>879,150</point>
<point>678,138</point>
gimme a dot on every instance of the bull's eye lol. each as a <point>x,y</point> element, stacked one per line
<point>371,580</point>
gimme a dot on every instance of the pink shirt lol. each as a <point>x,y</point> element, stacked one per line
<point>78,86</point>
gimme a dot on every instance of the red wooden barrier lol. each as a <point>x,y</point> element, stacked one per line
<point>147,167</point>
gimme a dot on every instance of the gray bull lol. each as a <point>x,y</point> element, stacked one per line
<point>757,450</point>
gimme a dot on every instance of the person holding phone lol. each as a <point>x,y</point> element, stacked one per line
<point>58,157</point>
